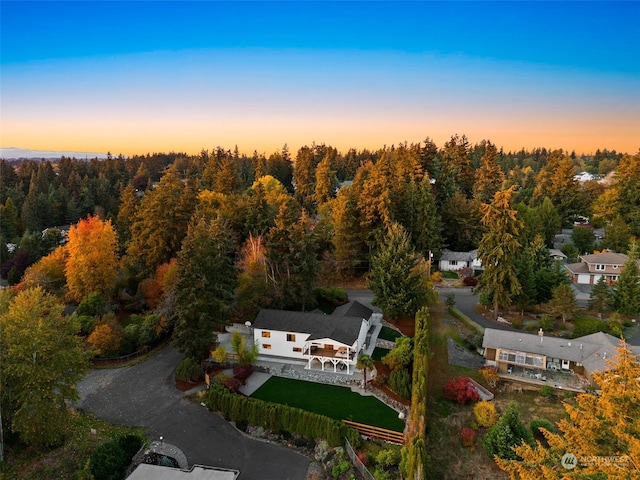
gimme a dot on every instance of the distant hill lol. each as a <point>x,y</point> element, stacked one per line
<point>13,153</point>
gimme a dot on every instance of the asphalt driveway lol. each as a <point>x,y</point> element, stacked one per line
<point>145,395</point>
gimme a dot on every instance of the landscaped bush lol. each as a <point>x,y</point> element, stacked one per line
<point>485,413</point>
<point>461,390</point>
<point>277,417</point>
<point>333,296</point>
<point>546,391</point>
<point>189,370</point>
<point>536,424</point>
<point>468,435</point>
<point>400,382</point>
<point>506,433</point>
<point>106,338</point>
<point>547,323</point>
<point>91,305</point>
<point>470,281</point>
<point>517,322</point>
<point>110,460</point>
<point>388,458</point>
<point>587,325</point>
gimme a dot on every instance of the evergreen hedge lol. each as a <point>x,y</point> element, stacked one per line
<point>276,417</point>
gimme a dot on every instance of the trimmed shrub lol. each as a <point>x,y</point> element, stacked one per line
<point>485,413</point>
<point>470,281</point>
<point>400,382</point>
<point>189,370</point>
<point>276,417</point>
<point>546,391</point>
<point>110,460</point>
<point>536,424</point>
<point>468,435</point>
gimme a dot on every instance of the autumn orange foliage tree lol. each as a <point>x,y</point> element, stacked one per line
<point>92,258</point>
<point>106,337</point>
<point>601,433</point>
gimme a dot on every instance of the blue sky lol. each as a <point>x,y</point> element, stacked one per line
<point>132,77</point>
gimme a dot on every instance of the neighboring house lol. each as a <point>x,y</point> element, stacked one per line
<point>452,261</point>
<point>591,267</point>
<point>332,340</point>
<point>539,354</point>
<point>557,254</point>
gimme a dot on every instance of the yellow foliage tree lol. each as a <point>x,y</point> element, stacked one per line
<point>601,436</point>
<point>106,337</point>
<point>92,258</point>
<point>48,272</point>
<point>485,413</point>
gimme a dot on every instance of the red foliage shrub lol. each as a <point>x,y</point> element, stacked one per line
<point>232,384</point>
<point>461,390</point>
<point>470,281</point>
<point>468,435</point>
<point>242,373</point>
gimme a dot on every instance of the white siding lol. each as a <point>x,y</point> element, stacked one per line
<point>280,346</point>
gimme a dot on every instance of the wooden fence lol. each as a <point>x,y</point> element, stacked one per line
<point>376,432</point>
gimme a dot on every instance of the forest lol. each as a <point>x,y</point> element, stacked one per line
<point>164,244</point>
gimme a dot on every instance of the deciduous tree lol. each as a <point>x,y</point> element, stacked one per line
<point>92,259</point>
<point>601,431</point>
<point>42,362</point>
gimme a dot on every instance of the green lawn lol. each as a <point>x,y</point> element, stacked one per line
<point>379,353</point>
<point>389,334</point>
<point>330,400</point>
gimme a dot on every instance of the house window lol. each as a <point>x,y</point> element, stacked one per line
<point>453,263</point>
<point>266,334</point>
<point>266,346</point>
<point>297,349</point>
<point>615,267</point>
<point>600,266</point>
<point>291,337</point>
<point>614,278</point>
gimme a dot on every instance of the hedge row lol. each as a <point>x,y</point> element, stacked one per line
<point>455,311</point>
<point>276,417</point>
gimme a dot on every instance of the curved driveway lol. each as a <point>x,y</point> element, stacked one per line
<point>145,395</point>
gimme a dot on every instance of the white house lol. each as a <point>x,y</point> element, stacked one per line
<point>332,340</point>
<point>452,261</point>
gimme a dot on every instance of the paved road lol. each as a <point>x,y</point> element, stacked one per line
<point>145,395</point>
<point>466,302</point>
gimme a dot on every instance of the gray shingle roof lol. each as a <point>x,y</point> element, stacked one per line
<point>606,258</point>
<point>353,309</point>
<point>592,351</point>
<point>459,256</point>
<point>339,328</point>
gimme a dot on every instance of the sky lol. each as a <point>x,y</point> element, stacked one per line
<point>142,76</point>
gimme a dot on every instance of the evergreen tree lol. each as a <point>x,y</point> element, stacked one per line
<point>506,433</point>
<point>325,184</point>
<point>628,287</point>
<point>292,259</point>
<point>601,297</point>
<point>498,250</point>
<point>398,285</point>
<point>160,225</point>
<point>489,177</point>
<point>204,289</point>
<point>563,302</point>
<point>349,238</point>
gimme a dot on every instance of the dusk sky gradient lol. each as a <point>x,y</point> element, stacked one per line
<point>137,77</point>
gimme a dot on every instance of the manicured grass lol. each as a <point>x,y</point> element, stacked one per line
<point>452,275</point>
<point>330,400</point>
<point>389,334</point>
<point>379,353</point>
